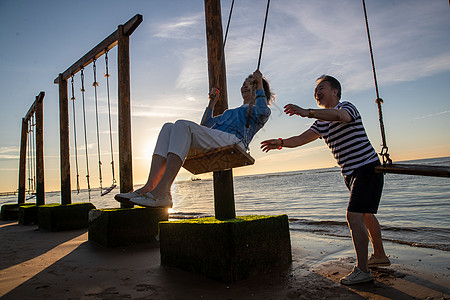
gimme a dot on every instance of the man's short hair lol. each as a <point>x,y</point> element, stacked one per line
<point>333,81</point>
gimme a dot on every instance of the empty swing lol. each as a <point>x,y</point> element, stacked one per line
<point>31,159</point>
<point>83,92</point>
<point>75,134</point>
<point>107,75</point>
<point>105,191</point>
<point>231,156</point>
<point>388,166</point>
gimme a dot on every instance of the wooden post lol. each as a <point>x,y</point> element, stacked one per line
<point>23,161</point>
<point>223,180</point>
<point>64,141</point>
<point>124,112</point>
<point>40,190</point>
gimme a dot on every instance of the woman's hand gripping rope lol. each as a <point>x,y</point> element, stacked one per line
<point>214,96</point>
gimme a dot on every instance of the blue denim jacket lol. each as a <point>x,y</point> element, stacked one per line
<point>234,120</point>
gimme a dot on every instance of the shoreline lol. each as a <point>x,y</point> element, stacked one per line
<point>38,264</point>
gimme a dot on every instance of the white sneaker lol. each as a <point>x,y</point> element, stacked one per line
<point>126,197</point>
<point>148,200</point>
<point>356,276</point>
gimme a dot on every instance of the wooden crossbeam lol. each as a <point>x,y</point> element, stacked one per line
<point>218,159</point>
<point>422,170</point>
<point>32,109</point>
<point>105,45</point>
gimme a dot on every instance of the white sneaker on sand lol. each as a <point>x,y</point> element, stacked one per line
<point>126,197</point>
<point>356,276</point>
<point>148,200</point>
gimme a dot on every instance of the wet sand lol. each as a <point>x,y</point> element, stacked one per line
<point>37,264</point>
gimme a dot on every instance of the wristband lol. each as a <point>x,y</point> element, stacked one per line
<point>311,113</point>
<point>282,144</point>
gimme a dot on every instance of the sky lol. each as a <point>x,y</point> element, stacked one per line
<point>168,63</point>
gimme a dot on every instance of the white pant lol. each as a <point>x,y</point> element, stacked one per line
<point>185,137</point>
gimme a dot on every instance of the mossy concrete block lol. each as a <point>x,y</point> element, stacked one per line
<point>59,217</point>
<point>125,226</point>
<point>227,251</point>
<point>10,212</point>
<point>28,214</point>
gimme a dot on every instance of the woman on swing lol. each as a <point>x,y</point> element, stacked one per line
<point>177,140</point>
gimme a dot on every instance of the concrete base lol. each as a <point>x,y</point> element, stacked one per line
<point>10,212</point>
<point>28,214</point>
<point>125,226</point>
<point>227,251</point>
<point>58,217</point>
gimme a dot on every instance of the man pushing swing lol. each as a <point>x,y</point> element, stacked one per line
<point>340,125</point>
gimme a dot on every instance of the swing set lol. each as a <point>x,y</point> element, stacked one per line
<point>219,159</point>
<point>120,38</point>
<point>103,191</point>
<point>234,156</point>
<point>31,159</point>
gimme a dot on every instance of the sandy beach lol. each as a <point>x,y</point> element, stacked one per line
<point>37,264</point>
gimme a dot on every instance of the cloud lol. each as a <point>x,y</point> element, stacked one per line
<point>165,111</point>
<point>152,114</point>
<point>415,68</point>
<point>302,42</point>
<point>433,115</point>
<point>193,75</point>
<point>7,149</point>
<point>9,152</point>
<point>9,156</point>
<point>180,28</point>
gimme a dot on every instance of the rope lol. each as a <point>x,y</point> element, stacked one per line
<point>33,153</point>
<point>223,45</point>
<point>249,116</point>
<point>384,150</point>
<point>29,157</point>
<point>85,134</point>
<point>75,136</point>
<point>264,33</point>
<point>109,116</point>
<point>250,105</point>
<point>95,85</point>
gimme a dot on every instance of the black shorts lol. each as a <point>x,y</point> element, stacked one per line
<point>365,188</point>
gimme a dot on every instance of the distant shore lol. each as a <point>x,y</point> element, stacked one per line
<point>37,264</point>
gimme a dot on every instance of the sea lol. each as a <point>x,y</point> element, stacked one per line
<point>414,210</point>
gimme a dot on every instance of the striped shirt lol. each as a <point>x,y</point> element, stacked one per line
<point>347,141</point>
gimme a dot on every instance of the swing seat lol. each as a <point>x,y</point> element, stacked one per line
<point>108,190</point>
<point>424,170</point>
<point>218,159</point>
